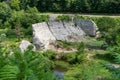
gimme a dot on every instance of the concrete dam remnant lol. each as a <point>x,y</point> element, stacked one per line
<point>46,33</point>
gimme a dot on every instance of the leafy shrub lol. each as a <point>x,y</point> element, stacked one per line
<point>2,37</point>
<point>106,25</point>
<point>62,64</point>
<point>63,18</point>
<point>115,72</point>
<point>26,19</point>
<point>82,17</point>
<point>80,54</point>
<point>28,66</point>
<point>50,54</point>
<point>5,11</point>
<point>88,71</point>
<point>1,24</point>
<point>32,10</point>
<point>115,53</point>
<point>11,33</point>
<point>69,57</point>
<point>78,57</point>
<point>15,4</point>
<point>67,45</point>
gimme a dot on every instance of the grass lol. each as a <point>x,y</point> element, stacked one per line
<point>67,45</point>
<point>93,43</point>
<point>62,63</point>
<point>82,14</point>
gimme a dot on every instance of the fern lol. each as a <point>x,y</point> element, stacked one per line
<point>28,66</point>
<point>9,72</point>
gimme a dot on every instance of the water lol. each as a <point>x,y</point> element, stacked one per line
<point>59,71</point>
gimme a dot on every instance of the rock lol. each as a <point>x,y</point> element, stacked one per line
<point>42,35</point>
<point>46,32</point>
<point>88,26</point>
<point>24,45</point>
<point>65,31</point>
<point>37,43</point>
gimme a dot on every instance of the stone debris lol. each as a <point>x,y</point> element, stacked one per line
<point>24,46</point>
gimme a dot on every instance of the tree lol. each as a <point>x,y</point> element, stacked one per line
<point>23,4</point>
<point>5,11</point>
<point>18,29</point>
<point>15,4</point>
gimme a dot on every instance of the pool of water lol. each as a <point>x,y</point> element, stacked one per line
<point>59,71</point>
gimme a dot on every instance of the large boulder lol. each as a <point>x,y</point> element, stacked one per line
<point>88,26</point>
<point>24,45</point>
<point>46,32</point>
<point>42,35</point>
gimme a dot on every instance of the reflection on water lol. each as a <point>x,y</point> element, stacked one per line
<point>59,71</point>
<point>59,74</point>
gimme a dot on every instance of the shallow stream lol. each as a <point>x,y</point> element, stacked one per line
<point>59,71</point>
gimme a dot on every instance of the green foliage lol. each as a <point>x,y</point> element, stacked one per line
<point>63,18</point>
<point>11,72</point>
<point>115,53</point>
<point>17,16</point>
<point>3,57</point>
<point>63,64</point>
<point>10,33</point>
<point>76,57</point>
<point>28,66</point>
<point>49,54</point>
<point>1,23</point>
<point>81,6</point>
<point>15,4</point>
<point>88,71</point>
<point>67,45</point>
<point>69,57</point>
<point>3,31</point>
<point>2,37</point>
<point>32,10</point>
<point>24,20</point>
<point>80,48</point>
<point>80,54</point>
<point>118,40</point>
<point>5,12</point>
<point>106,25</point>
<point>115,72</point>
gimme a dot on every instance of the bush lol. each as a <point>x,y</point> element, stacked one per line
<point>115,53</point>
<point>67,45</point>
<point>105,26</point>
<point>11,33</point>
<point>26,20</point>
<point>63,18</point>
<point>80,54</point>
<point>18,66</point>
<point>49,54</point>
<point>69,57</point>
<point>88,71</point>
<point>2,37</point>
<point>5,11</point>
<point>78,57</point>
